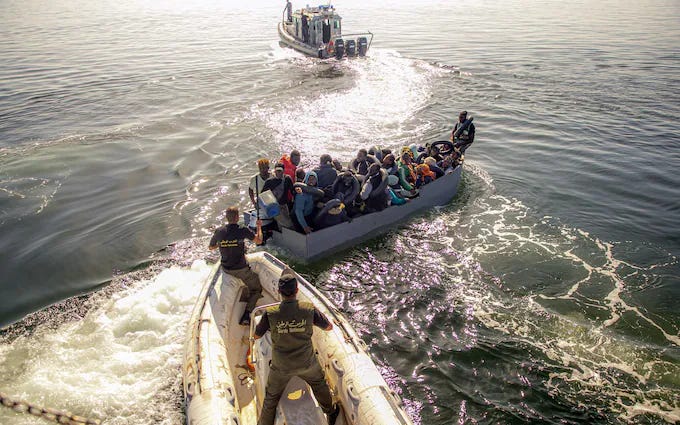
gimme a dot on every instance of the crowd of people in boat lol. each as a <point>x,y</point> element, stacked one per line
<point>376,178</point>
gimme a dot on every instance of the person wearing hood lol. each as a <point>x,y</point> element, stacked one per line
<point>432,163</point>
<point>376,152</point>
<point>374,190</point>
<point>425,176</point>
<point>406,172</point>
<point>305,194</point>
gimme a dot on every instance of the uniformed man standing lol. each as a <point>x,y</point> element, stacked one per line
<point>230,239</point>
<point>464,138</point>
<point>290,323</point>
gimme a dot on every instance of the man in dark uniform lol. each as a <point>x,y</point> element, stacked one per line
<point>290,323</point>
<point>467,136</point>
<point>230,239</point>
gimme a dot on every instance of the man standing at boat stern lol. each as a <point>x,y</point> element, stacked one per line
<point>230,239</point>
<point>291,325</point>
<point>463,133</point>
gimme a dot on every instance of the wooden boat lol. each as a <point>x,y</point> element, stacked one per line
<point>220,388</point>
<point>333,239</point>
<point>317,32</point>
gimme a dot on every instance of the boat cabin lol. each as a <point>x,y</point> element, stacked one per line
<point>317,26</point>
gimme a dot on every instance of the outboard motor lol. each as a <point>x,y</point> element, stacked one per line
<point>339,48</point>
<point>363,45</point>
<point>351,48</point>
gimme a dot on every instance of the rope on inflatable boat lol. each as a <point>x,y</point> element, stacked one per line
<point>58,416</point>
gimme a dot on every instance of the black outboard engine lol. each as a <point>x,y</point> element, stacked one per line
<point>339,48</point>
<point>351,48</point>
<point>363,45</point>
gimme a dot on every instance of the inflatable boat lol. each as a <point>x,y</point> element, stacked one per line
<point>225,373</point>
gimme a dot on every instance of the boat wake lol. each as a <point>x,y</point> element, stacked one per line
<point>371,101</point>
<point>115,354</point>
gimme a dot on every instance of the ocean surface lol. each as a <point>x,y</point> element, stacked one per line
<point>548,291</point>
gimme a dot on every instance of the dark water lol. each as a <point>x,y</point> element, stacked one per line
<point>547,292</point>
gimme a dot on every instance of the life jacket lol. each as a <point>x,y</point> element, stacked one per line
<point>288,167</point>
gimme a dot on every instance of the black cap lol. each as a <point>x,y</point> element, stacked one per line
<point>287,284</point>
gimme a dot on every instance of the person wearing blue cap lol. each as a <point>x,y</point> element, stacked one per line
<point>291,325</point>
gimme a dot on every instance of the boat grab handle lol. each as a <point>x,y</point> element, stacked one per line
<point>336,365</point>
<point>352,394</point>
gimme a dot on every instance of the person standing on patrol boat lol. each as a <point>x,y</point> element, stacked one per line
<point>230,239</point>
<point>291,325</point>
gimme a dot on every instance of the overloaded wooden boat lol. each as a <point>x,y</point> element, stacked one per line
<point>308,247</point>
<point>317,31</point>
<point>221,388</point>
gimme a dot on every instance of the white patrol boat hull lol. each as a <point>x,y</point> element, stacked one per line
<point>220,389</point>
<point>292,42</point>
<point>332,239</point>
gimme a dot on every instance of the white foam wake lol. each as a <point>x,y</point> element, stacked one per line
<point>120,362</point>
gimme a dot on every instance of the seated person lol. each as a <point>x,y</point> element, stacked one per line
<point>332,213</point>
<point>337,165</point>
<point>395,197</point>
<point>306,194</point>
<point>389,164</point>
<point>361,163</point>
<point>432,163</point>
<point>430,151</point>
<point>376,152</point>
<point>450,162</point>
<point>424,175</point>
<point>325,172</point>
<point>326,175</point>
<point>300,175</point>
<point>374,189</point>
<point>346,187</point>
<point>405,171</point>
<point>281,187</point>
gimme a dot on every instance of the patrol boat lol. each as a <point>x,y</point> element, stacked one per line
<point>225,371</point>
<point>317,32</point>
